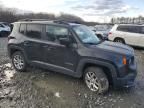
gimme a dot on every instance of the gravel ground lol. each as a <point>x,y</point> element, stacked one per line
<point>43,89</point>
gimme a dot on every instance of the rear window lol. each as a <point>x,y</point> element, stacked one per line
<point>34,31</point>
<point>22,28</point>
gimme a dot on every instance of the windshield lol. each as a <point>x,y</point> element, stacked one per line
<point>86,35</point>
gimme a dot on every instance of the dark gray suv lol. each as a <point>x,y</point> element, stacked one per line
<point>74,50</point>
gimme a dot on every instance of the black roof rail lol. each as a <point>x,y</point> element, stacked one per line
<point>61,22</point>
<point>65,22</point>
<point>55,21</point>
<point>34,19</point>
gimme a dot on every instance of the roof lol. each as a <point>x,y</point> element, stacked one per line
<point>52,22</point>
<point>131,24</point>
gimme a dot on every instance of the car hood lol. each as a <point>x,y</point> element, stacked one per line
<point>115,47</point>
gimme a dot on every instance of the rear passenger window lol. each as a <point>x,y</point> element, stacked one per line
<point>22,28</point>
<point>34,31</point>
<point>136,29</point>
<point>131,29</point>
<point>53,33</point>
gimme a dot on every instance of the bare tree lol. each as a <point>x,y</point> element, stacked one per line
<point>128,20</point>
<point>69,17</point>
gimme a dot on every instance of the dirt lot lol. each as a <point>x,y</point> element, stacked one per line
<point>43,89</point>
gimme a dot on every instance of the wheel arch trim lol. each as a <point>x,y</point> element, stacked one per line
<point>13,47</point>
<point>84,62</point>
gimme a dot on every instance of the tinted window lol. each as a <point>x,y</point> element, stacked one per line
<point>22,28</point>
<point>142,30</point>
<point>53,33</point>
<point>132,29</point>
<point>34,31</point>
<point>122,28</point>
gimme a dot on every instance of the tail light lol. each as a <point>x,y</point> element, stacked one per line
<point>8,38</point>
<point>11,37</point>
<point>110,33</point>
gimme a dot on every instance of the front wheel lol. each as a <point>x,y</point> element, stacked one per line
<point>96,80</point>
<point>19,61</point>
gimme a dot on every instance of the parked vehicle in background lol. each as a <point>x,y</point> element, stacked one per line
<point>128,34</point>
<point>98,34</point>
<point>74,50</point>
<point>102,31</point>
<point>5,23</point>
<point>4,29</point>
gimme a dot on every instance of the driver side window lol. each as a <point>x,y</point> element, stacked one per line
<point>53,33</point>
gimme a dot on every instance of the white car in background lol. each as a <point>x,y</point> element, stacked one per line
<point>4,29</point>
<point>101,31</point>
<point>128,34</point>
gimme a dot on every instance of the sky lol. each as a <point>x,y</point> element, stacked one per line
<point>89,10</point>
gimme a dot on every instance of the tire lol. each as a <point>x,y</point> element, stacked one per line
<point>100,36</point>
<point>119,40</point>
<point>96,80</point>
<point>19,62</point>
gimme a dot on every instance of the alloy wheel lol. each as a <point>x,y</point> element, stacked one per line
<point>18,62</point>
<point>92,81</point>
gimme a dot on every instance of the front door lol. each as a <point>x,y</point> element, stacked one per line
<point>56,54</point>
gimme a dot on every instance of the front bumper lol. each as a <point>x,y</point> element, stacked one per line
<point>126,82</point>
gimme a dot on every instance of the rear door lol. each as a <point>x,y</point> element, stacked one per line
<point>32,43</point>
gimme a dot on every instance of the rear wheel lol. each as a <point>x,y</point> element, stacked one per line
<point>96,80</point>
<point>19,61</point>
<point>119,40</point>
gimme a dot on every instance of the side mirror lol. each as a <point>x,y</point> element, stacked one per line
<point>65,41</point>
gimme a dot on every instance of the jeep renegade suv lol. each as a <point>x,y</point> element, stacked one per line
<point>74,50</point>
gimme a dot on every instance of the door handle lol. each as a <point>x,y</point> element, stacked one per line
<point>45,46</point>
<point>26,43</point>
<point>50,48</point>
